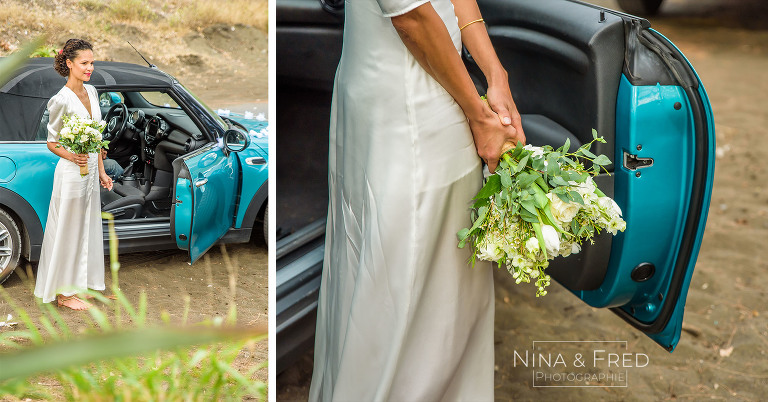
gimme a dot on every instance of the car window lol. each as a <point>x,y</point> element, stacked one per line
<point>159,99</point>
<point>108,99</point>
<point>42,129</point>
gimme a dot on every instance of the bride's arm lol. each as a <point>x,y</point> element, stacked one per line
<point>475,37</point>
<point>80,160</point>
<point>427,38</point>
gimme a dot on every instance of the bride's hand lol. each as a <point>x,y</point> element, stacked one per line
<point>500,100</point>
<point>491,137</point>
<point>106,181</point>
<point>79,159</point>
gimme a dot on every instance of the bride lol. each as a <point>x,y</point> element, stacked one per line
<point>72,254</point>
<point>401,316</point>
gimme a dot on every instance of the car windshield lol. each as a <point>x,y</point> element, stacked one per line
<point>216,117</point>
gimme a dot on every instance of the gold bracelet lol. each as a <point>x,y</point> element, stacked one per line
<point>471,22</point>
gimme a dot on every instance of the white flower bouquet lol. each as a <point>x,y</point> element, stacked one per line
<point>81,135</point>
<point>539,204</point>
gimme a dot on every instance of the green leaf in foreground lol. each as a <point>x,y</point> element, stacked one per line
<point>10,64</point>
<point>61,355</point>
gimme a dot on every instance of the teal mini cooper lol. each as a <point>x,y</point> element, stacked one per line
<point>191,178</point>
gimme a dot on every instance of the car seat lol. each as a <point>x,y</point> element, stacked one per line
<point>123,202</point>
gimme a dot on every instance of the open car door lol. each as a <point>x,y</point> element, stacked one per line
<point>573,67</point>
<point>204,198</point>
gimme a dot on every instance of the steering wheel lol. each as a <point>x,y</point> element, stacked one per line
<point>116,123</point>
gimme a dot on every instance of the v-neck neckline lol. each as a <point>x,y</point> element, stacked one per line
<point>89,108</point>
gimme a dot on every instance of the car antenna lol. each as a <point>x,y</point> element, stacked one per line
<point>142,56</point>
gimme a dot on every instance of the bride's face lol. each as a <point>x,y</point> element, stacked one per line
<point>82,66</point>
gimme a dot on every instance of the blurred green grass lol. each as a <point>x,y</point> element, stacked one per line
<point>121,358</point>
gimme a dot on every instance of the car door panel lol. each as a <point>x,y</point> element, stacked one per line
<point>205,190</point>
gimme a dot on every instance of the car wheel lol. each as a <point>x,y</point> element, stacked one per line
<point>266,224</point>
<point>10,245</point>
<point>640,7</point>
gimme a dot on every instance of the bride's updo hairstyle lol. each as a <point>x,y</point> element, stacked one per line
<point>69,51</point>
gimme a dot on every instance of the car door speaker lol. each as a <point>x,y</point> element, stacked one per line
<point>643,272</point>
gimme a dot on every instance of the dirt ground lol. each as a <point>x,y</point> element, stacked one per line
<point>723,350</point>
<point>226,66</point>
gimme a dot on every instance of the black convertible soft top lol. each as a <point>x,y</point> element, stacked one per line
<point>24,97</point>
<point>38,78</point>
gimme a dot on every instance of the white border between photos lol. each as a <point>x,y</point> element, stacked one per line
<point>272,102</point>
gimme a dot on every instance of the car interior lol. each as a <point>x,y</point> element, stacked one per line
<point>147,130</point>
<point>564,69</point>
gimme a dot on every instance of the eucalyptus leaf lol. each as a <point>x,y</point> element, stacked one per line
<point>557,181</point>
<point>528,216</point>
<point>522,164</point>
<point>529,205</point>
<point>602,160</point>
<point>506,178</point>
<point>587,153</point>
<point>525,179</point>
<point>491,187</point>
<point>576,197</point>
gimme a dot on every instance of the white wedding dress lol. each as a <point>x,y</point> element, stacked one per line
<point>72,255</point>
<point>401,315</point>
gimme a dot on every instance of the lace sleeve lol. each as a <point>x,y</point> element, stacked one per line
<point>393,8</point>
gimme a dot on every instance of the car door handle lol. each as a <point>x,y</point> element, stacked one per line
<point>256,160</point>
<point>201,182</point>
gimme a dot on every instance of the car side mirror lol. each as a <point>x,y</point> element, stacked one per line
<point>235,140</point>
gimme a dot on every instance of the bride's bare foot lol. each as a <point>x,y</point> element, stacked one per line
<point>90,297</point>
<point>73,302</point>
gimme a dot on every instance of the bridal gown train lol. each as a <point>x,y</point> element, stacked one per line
<point>72,255</point>
<point>401,315</point>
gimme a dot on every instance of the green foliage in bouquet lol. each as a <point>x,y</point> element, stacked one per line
<point>539,204</point>
<point>81,135</point>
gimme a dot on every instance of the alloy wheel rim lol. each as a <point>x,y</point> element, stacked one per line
<point>6,247</point>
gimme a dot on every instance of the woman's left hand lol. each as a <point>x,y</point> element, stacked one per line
<point>106,181</point>
<point>500,100</point>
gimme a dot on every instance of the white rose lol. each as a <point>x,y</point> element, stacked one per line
<point>518,261</point>
<point>532,245</point>
<point>537,151</point>
<point>94,133</point>
<point>563,211</point>
<point>83,139</point>
<point>588,187</point>
<point>551,240</point>
<point>616,225</point>
<point>490,249</point>
<point>64,132</point>
<point>575,248</point>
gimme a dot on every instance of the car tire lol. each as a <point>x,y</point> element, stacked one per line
<point>10,245</point>
<point>266,224</point>
<point>640,7</point>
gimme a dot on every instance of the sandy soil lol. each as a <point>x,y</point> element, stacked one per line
<point>723,351</point>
